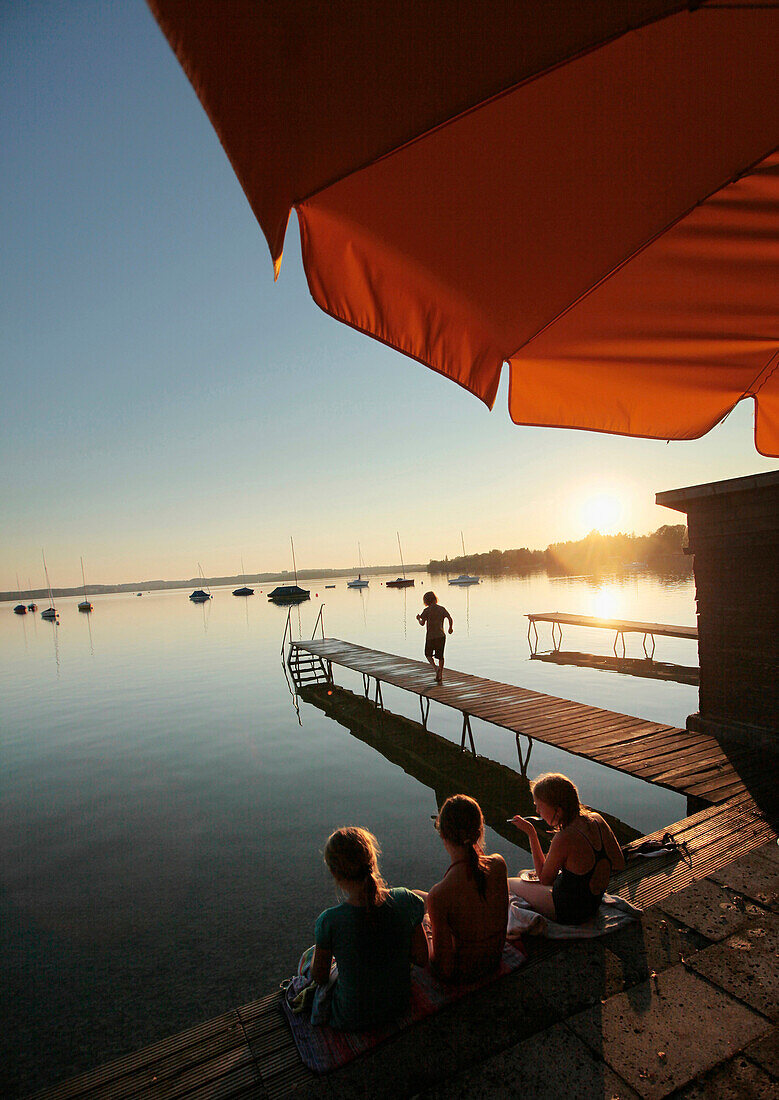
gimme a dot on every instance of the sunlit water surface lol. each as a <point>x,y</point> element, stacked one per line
<point>164,812</point>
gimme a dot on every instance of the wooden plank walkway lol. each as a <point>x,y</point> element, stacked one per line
<point>692,764</point>
<point>621,627</point>
<point>249,1054</point>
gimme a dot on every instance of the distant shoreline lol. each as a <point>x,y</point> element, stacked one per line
<point>285,577</point>
<point>662,551</point>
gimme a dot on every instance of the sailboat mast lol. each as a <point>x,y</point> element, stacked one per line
<point>462,540</point>
<point>294,564</point>
<point>402,566</point>
<point>48,582</point>
<point>83,578</point>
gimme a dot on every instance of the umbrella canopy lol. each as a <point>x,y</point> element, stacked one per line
<point>586,191</point>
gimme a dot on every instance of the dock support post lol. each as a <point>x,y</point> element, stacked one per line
<point>649,656</point>
<point>524,763</point>
<point>424,699</point>
<point>378,699</point>
<point>556,645</point>
<point>467,729</point>
<point>619,635</point>
<point>366,684</point>
<point>532,642</point>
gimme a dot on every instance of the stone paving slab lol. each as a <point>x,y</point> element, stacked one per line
<point>737,1079</point>
<point>585,972</point>
<point>745,965</point>
<point>765,1052</point>
<point>710,909</point>
<point>770,852</point>
<point>754,877</point>
<point>661,1046</point>
<point>550,1066</point>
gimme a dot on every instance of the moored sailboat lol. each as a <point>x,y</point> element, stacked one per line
<point>200,595</point>
<point>404,581</point>
<point>51,615</point>
<point>290,593</point>
<point>358,581</point>
<point>85,605</point>
<point>21,608</point>
<point>464,579</point>
<point>245,591</point>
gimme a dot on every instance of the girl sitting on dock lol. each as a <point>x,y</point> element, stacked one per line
<point>374,936</point>
<point>467,910</point>
<point>574,874</point>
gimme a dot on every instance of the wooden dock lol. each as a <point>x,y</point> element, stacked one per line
<point>693,764</point>
<point>621,627</point>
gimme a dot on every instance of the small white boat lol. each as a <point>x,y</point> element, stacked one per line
<point>465,578</point>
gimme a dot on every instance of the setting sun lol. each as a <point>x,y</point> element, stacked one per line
<point>603,511</point>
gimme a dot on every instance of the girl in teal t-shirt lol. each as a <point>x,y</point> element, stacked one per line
<point>374,936</point>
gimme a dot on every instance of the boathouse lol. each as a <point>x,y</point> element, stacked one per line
<point>734,538</point>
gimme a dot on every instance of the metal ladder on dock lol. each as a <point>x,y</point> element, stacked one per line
<point>306,668</point>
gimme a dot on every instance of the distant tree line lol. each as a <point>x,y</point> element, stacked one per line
<point>662,551</point>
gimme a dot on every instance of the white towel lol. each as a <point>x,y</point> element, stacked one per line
<point>614,913</point>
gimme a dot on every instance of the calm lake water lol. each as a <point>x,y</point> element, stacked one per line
<point>164,810</point>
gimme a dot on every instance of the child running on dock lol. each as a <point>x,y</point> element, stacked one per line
<point>434,615</point>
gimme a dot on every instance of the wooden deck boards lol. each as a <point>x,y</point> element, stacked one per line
<point>622,626</point>
<point>683,761</point>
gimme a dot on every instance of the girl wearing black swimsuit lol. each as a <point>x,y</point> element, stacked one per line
<point>575,872</point>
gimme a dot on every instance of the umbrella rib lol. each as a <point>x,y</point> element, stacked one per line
<point>680,7</point>
<point>642,247</point>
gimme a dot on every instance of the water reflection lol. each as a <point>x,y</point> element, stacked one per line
<point>439,763</point>
<point>630,666</point>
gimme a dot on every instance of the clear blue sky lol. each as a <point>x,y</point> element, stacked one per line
<point>164,403</point>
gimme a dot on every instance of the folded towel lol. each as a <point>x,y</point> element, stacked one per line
<point>614,913</point>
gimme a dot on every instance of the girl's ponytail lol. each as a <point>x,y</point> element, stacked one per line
<point>461,822</point>
<point>352,855</point>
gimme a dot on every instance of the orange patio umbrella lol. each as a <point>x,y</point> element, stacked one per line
<point>587,190</point>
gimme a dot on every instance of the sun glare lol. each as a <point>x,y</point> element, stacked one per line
<point>602,511</point>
